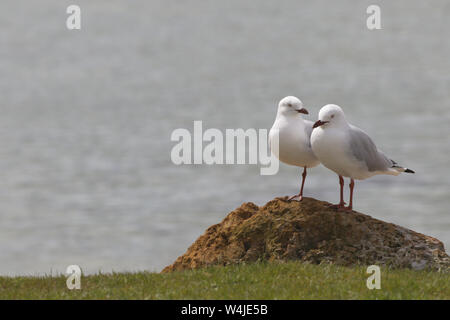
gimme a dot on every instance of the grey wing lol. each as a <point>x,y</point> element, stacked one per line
<point>309,129</point>
<point>365,150</point>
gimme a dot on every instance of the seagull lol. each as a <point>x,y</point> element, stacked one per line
<point>348,151</point>
<point>289,138</point>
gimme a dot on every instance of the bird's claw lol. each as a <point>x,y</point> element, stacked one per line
<point>340,206</point>
<point>296,197</point>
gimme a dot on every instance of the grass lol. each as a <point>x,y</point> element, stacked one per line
<point>292,280</point>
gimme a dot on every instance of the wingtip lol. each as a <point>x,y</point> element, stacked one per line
<point>409,170</point>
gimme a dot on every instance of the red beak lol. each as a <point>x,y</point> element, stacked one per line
<point>303,110</point>
<point>319,123</point>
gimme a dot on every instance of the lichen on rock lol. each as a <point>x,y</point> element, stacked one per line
<point>310,231</point>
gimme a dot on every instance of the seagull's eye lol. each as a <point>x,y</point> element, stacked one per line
<point>332,116</point>
<point>289,104</point>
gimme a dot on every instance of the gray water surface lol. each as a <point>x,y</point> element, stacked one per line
<point>86,118</point>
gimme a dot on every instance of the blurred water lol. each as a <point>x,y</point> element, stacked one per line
<point>86,118</point>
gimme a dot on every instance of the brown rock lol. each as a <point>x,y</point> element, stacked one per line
<point>310,231</point>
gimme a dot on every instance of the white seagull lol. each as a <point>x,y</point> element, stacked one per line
<point>291,133</point>
<point>348,151</point>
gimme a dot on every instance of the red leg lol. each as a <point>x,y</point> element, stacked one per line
<point>303,182</point>
<point>341,203</point>
<point>300,195</point>
<point>351,185</point>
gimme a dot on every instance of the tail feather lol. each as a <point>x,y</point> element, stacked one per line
<point>400,169</point>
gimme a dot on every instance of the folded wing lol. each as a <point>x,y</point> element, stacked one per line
<point>365,150</point>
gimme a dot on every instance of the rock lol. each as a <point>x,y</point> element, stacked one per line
<point>310,231</point>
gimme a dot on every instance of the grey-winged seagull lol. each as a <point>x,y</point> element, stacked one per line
<point>348,151</point>
<point>293,134</point>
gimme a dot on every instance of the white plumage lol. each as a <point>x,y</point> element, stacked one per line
<point>293,134</point>
<point>348,150</point>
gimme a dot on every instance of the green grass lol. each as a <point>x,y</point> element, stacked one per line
<point>292,280</point>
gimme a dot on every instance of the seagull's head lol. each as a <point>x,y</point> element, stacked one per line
<point>291,106</point>
<point>329,115</point>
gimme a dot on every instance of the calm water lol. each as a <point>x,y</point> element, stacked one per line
<point>86,118</point>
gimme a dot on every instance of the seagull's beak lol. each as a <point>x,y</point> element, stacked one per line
<point>302,110</point>
<point>319,123</point>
